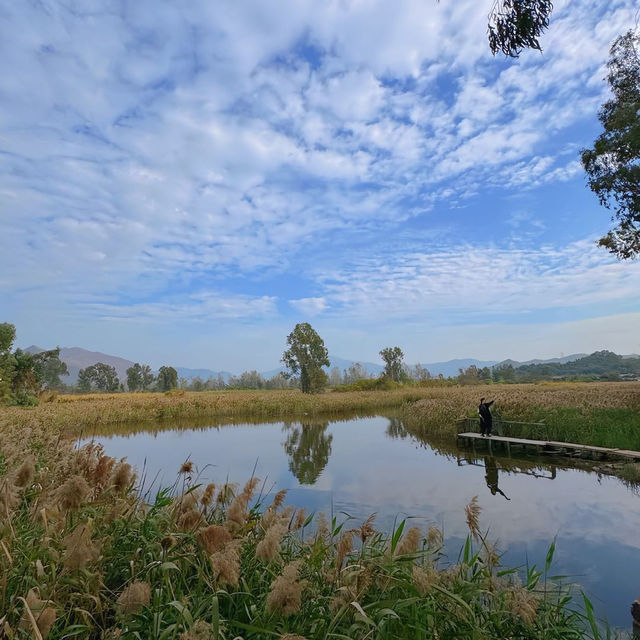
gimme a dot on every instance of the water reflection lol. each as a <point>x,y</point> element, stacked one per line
<point>396,429</point>
<point>491,477</point>
<point>308,447</point>
<point>375,464</point>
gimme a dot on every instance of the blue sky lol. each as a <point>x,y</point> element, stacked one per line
<point>183,182</point>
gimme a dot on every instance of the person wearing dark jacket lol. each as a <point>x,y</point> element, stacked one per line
<point>485,417</point>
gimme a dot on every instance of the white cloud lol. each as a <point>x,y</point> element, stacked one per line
<point>309,306</point>
<point>145,152</point>
<point>473,282</point>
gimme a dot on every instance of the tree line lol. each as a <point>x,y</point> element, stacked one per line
<point>24,375</point>
<point>102,377</point>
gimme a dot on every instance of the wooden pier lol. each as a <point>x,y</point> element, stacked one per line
<point>548,447</point>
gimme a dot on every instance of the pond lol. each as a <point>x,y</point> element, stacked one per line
<point>371,465</point>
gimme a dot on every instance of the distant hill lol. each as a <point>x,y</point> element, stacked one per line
<point>598,364</point>
<point>563,360</point>
<point>76,358</point>
<point>451,368</point>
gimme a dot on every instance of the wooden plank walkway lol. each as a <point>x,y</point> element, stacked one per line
<point>551,446</point>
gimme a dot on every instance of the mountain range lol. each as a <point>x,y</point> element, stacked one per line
<point>77,358</point>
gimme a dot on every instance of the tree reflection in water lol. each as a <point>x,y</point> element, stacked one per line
<point>396,429</point>
<point>308,448</point>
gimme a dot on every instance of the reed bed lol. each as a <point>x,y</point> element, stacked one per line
<point>75,414</point>
<point>605,414</point>
<point>602,414</point>
<point>81,555</point>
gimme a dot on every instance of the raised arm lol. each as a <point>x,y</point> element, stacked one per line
<point>490,403</point>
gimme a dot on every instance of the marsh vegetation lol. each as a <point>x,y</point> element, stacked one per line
<point>83,554</point>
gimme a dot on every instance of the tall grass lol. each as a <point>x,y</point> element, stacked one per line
<point>605,414</point>
<point>82,556</point>
<point>71,415</point>
<point>602,414</point>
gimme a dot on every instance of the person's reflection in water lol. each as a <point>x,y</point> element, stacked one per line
<point>491,476</point>
<point>308,448</point>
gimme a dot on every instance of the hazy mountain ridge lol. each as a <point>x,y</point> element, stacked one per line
<point>77,358</point>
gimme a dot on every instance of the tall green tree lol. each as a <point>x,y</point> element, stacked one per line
<point>393,363</point>
<point>49,368</point>
<point>139,377</point>
<point>167,378</point>
<point>7,360</point>
<point>613,164</point>
<point>134,377</point>
<point>25,378</point>
<point>99,376</point>
<point>84,382</point>
<point>307,355</point>
<point>146,376</point>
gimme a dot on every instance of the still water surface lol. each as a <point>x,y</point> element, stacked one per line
<point>366,465</point>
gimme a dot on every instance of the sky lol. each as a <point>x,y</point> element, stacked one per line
<point>183,182</point>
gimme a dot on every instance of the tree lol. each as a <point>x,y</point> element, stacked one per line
<point>307,355</point>
<point>49,368</point>
<point>484,373</point>
<point>146,376</point>
<point>84,382</point>
<point>393,357</point>
<point>134,377</point>
<point>167,378</point>
<point>470,375</point>
<point>139,377</point>
<point>335,377</point>
<point>613,164</point>
<point>98,376</point>
<point>25,378</point>
<point>418,372</point>
<point>7,360</point>
<point>354,373</point>
<point>515,25</point>
<point>504,373</point>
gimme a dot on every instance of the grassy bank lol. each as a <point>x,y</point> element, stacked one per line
<point>603,414</point>
<point>75,414</point>
<point>80,556</point>
<point>606,414</point>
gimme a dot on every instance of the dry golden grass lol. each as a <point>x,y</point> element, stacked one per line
<point>602,413</point>
<point>75,414</point>
<point>578,408</point>
<point>107,565</point>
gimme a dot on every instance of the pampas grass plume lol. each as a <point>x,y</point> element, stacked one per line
<point>213,538</point>
<point>285,596</point>
<point>73,493</point>
<point>79,549</point>
<point>122,477</point>
<point>409,542</point>
<point>136,596</point>
<point>269,547</point>
<point>226,564</point>
<point>472,511</point>
<point>24,474</point>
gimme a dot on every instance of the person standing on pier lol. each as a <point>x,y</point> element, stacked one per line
<point>485,417</point>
